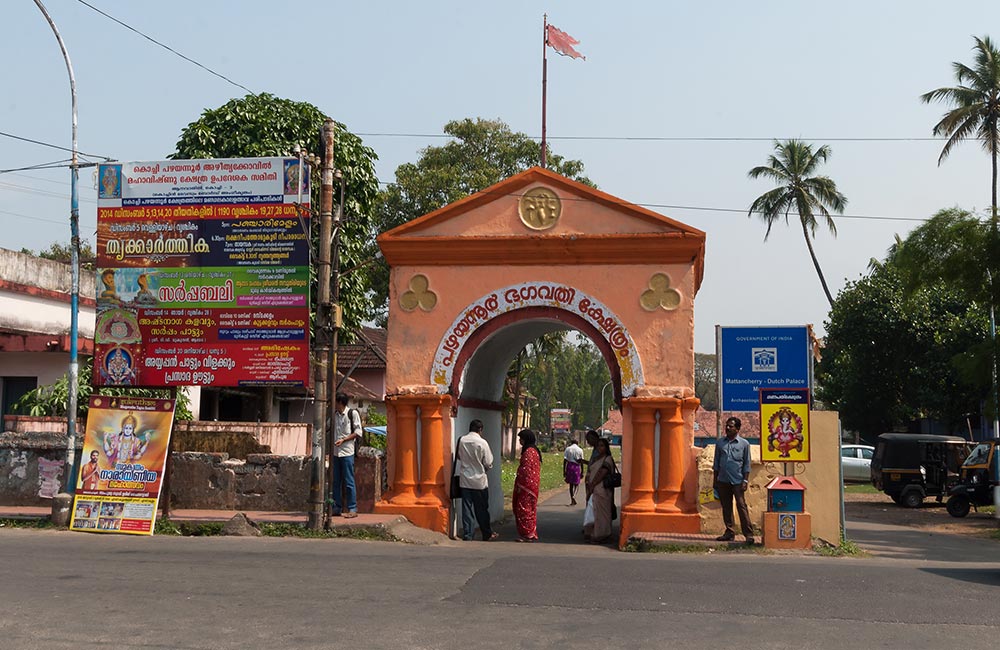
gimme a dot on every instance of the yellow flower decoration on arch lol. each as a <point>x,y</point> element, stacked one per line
<point>660,295</point>
<point>418,295</point>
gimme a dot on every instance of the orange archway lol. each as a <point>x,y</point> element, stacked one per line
<point>477,279</point>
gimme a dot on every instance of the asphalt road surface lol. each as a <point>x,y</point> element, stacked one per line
<point>79,591</point>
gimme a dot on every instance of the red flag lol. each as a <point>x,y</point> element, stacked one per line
<point>562,42</point>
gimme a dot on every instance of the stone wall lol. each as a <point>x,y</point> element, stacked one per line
<point>32,466</point>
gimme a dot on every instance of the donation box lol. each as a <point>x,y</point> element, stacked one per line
<point>786,522</point>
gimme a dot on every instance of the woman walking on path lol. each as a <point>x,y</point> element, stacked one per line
<point>525,499</point>
<point>601,497</point>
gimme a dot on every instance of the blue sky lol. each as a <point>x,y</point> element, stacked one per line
<point>766,69</point>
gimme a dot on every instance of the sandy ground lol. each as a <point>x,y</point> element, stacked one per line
<point>930,516</point>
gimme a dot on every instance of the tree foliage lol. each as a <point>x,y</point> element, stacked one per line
<point>564,372</point>
<point>792,167</point>
<point>909,340</point>
<point>976,105</point>
<point>59,252</point>
<point>480,153</point>
<point>706,380</point>
<point>51,400</point>
<point>265,125</point>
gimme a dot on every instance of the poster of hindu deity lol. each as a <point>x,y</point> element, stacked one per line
<point>784,422</point>
<point>121,470</point>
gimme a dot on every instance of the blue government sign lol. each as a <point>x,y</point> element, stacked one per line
<point>761,357</point>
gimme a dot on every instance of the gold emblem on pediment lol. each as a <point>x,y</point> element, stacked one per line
<point>539,208</point>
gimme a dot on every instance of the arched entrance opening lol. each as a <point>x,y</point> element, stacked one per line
<point>473,282</point>
<point>478,383</point>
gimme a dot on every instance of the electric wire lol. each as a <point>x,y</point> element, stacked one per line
<point>166,47</point>
<point>50,145</point>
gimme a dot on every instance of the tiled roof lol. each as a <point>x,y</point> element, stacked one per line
<point>359,351</point>
<point>356,390</point>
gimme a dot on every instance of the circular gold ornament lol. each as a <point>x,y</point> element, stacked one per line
<point>539,208</point>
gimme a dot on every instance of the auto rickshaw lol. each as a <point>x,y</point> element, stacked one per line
<point>977,480</point>
<point>911,467</point>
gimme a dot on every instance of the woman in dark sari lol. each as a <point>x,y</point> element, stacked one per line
<point>525,499</point>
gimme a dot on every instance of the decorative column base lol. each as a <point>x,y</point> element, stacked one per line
<point>430,517</point>
<point>658,522</point>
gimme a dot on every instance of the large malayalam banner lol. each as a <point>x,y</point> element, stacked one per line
<point>203,273</point>
<point>121,471</point>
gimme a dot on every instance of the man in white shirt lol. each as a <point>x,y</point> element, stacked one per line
<point>573,469</point>
<point>346,434</point>
<point>475,459</point>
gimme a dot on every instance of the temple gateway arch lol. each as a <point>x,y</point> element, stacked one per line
<point>475,281</point>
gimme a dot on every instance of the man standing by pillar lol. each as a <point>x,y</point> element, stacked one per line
<point>346,433</point>
<point>731,476</point>
<point>475,459</point>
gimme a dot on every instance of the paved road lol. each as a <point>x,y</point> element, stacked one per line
<point>70,590</point>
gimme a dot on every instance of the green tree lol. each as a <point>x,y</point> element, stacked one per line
<point>907,341</point>
<point>480,153</point>
<point>976,105</point>
<point>52,399</point>
<point>811,197</point>
<point>265,125</point>
<point>706,380</point>
<point>59,252</point>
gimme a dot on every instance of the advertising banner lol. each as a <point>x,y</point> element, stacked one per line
<point>784,420</point>
<point>754,358</point>
<point>121,470</point>
<point>561,420</point>
<point>203,273</point>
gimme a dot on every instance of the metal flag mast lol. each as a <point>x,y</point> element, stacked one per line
<point>545,75</point>
<point>562,43</point>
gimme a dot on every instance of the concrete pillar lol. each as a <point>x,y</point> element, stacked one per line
<point>641,472</point>
<point>404,447</point>
<point>432,461</point>
<point>674,453</point>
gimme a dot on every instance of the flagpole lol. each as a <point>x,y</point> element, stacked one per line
<point>545,80</point>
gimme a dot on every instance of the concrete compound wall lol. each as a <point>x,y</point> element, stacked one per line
<point>820,477</point>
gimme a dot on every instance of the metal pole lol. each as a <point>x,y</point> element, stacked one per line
<point>74,227</point>
<point>545,77</point>
<point>322,345</point>
<point>604,415</point>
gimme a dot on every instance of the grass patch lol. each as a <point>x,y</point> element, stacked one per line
<point>299,530</point>
<point>32,522</point>
<point>846,548</point>
<point>166,526</point>
<point>860,488</point>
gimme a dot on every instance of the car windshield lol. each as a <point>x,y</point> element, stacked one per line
<point>979,456</point>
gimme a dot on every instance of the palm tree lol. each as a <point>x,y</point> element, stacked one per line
<point>976,102</point>
<point>792,167</point>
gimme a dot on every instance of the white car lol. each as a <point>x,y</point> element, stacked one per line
<point>857,462</point>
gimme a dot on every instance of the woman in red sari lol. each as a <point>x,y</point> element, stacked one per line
<point>525,501</point>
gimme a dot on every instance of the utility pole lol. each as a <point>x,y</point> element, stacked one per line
<point>74,225</point>
<point>321,349</point>
<point>336,319</point>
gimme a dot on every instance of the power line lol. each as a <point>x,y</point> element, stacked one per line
<point>50,145</point>
<point>167,47</point>
<point>26,216</point>
<point>654,138</point>
<point>33,190</point>
<point>700,208</point>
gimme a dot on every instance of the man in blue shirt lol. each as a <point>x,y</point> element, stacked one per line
<point>731,475</point>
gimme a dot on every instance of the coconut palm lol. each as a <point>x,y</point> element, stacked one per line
<point>792,166</point>
<point>976,102</point>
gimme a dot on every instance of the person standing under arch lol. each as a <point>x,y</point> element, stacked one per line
<point>525,498</point>
<point>573,469</point>
<point>475,458</point>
